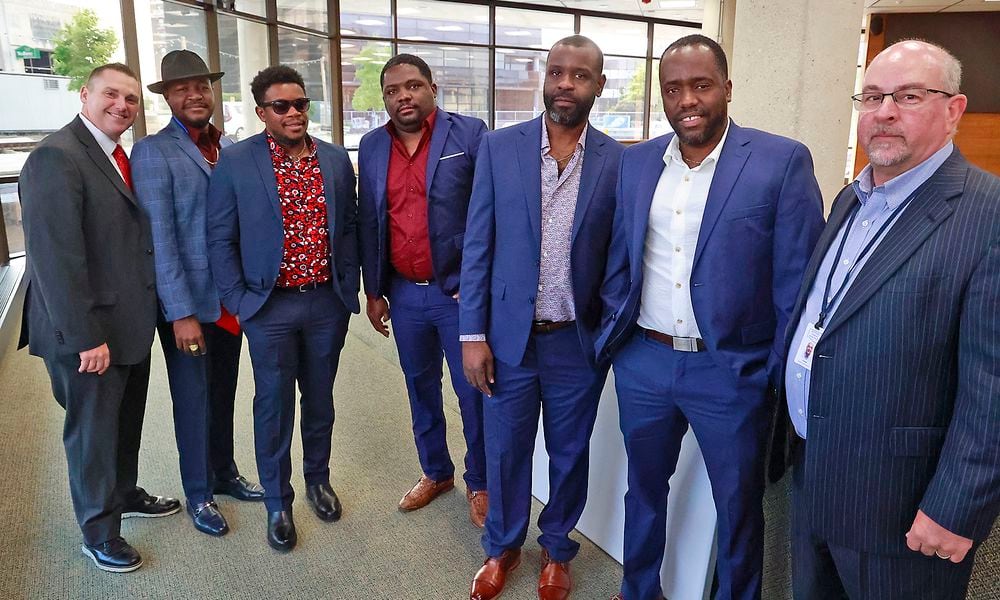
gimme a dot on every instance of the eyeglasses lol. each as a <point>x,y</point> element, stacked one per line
<point>905,98</point>
<point>281,107</point>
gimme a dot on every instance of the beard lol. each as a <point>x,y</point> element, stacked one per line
<point>712,127</point>
<point>568,117</point>
<point>883,154</point>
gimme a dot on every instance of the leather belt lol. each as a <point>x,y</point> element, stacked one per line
<point>681,344</point>
<point>549,326</point>
<point>305,287</point>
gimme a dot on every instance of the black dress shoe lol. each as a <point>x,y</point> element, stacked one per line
<point>208,519</point>
<point>146,505</point>
<point>323,501</point>
<point>281,530</point>
<point>114,555</point>
<point>238,487</point>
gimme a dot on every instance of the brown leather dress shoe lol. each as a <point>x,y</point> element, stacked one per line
<point>426,490</point>
<point>554,582</point>
<point>492,576</point>
<point>479,503</point>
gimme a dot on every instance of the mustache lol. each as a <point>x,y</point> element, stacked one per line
<point>885,131</point>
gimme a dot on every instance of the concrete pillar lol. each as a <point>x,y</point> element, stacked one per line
<point>793,65</point>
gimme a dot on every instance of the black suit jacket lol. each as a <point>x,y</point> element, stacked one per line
<point>904,401</point>
<point>89,253</point>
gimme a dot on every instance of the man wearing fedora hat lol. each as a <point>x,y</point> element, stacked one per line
<point>201,341</point>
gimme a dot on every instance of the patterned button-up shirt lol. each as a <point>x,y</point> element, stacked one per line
<point>559,192</point>
<point>306,255</point>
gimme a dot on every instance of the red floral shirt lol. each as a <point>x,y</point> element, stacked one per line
<point>306,255</point>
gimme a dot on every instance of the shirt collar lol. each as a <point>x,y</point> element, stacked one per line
<point>106,143</point>
<point>899,188</point>
<point>673,151</point>
<point>214,135</point>
<point>580,143</point>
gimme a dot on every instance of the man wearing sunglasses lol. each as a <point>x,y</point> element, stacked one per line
<point>282,214</point>
<point>891,377</point>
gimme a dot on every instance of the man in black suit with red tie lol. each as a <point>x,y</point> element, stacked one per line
<point>90,308</point>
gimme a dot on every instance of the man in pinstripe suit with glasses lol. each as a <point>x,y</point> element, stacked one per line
<point>893,371</point>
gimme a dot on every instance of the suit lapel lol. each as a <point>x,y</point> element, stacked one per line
<point>842,207</point>
<point>262,156</point>
<point>529,162</point>
<point>96,154</point>
<point>383,149</point>
<point>329,187</point>
<point>442,125</point>
<point>189,147</point>
<point>593,166</point>
<point>733,157</point>
<point>649,177</point>
<point>930,206</point>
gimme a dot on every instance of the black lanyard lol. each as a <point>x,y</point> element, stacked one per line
<point>829,301</point>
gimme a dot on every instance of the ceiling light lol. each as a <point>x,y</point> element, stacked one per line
<point>517,33</point>
<point>524,60</point>
<point>348,32</point>
<point>505,51</point>
<point>415,38</point>
<point>372,22</point>
<point>449,28</point>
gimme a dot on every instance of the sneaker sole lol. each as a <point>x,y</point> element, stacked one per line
<point>142,515</point>
<point>109,568</point>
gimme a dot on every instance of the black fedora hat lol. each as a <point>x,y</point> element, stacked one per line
<point>182,64</point>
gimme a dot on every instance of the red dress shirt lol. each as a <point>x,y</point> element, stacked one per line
<point>306,255</point>
<point>406,196</point>
<point>207,141</point>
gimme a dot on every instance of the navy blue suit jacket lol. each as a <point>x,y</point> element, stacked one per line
<point>246,231</point>
<point>762,219</point>
<point>904,399</point>
<point>503,238</point>
<point>451,161</point>
<point>171,182</point>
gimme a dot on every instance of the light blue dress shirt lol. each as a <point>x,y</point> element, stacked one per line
<point>877,206</point>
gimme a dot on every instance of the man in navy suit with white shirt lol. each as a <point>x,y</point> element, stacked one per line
<point>415,178</point>
<point>713,229</point>
<point>535,248</point>
<point>892,378</point>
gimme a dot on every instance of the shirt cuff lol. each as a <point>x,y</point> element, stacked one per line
<point>474,337</point>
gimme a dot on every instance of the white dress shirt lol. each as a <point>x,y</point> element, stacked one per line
<point>107,144</point>
<point>671,238</point>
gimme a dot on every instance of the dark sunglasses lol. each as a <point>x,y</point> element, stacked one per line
<point>281,107</point>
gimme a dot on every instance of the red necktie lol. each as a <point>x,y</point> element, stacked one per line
<point>122,160</point>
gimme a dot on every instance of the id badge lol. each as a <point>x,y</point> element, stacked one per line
<point>807,347</point>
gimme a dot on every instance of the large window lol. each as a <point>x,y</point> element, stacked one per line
<point>462,75</point>
<point>242,54</point>
<point>310,56</point>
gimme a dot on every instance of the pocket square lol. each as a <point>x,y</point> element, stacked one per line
<point>451,156</point>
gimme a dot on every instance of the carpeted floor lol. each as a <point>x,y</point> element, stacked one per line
<point>373,553</point>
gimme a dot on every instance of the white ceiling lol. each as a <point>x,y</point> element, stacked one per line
<point>930,6</point>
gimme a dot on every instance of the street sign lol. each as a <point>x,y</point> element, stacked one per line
<point>27,52</point>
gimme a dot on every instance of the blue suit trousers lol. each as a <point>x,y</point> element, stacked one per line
<point>660,392</point>
<point>425,326</point>
<point>553,379</point>
<point>295,338</point>
<point>203,391</point>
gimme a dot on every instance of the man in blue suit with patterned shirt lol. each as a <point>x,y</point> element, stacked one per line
<point>535,249</point>
<point>413,197</point>
<point>713,229</point>
<point>201,342</point>
<point>282,244</point>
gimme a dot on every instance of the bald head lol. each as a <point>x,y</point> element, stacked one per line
<point>582,41</point>
<point>929,58</point>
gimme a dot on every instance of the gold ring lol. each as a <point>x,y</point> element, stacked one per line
<point>194,347</point>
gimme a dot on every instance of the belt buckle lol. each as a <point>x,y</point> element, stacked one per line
<point>307,287</point>
<point>685,344</point>
<point>427,282</point>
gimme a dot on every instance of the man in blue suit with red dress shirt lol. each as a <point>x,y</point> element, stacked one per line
<point>413,197</point>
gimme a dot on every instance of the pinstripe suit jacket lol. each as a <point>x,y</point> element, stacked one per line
<point>904,403</point>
